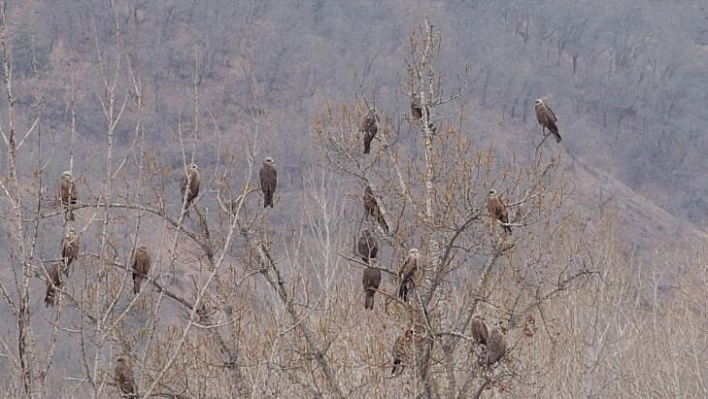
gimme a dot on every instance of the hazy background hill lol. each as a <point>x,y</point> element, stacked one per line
<point>626,79</point>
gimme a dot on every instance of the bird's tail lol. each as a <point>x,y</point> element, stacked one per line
<point>403,292</point>
<point>137,282</point>
<point>369,300</point>
<point>397,367</point>
<point>50,298</point>
<point>382,221</point>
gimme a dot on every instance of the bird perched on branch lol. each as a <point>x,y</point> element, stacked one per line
<point>141,267</point>
<point>366,246</point>
<point>189,186</point>
<point>497,210</point>
<point>412,349</point>
<point>369,126</point>
<point>401,352</point>
<point>269,181</point>
<point>546,118</point>
<point>124,377</point>
<point>67,194</point>
<point>480,334</point>
<point>495,348</point>
<point>407,273</point>
<point>372,208</point>
<point>53,284</point>
<point>69,249</point>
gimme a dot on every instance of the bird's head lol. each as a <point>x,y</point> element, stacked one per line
<point>122,359</point>
<point>268,161</point>
<point>492,192</point>
<point>539,101</point>
<point>66,173</point>
<point>193,166</point>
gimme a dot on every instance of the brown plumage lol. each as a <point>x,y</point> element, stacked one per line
<point>124,377</point>
<point>412,348</point>
<point>479,331</point>
<point>371,281</point>
<point>497,210</point>
<point>546,118</point>
<point>416,109</point>
<point>141,267</point>
<point>69,249</point>
<point>369,126</point>
<point>269,181</point>
<point>372,208</point>
<point>367,247</point>
<point>407,273</point>
<point>189,185</point>
<point>401,352</point>
<point>496,347</point>
<point>53,284</point>
<point>67,194</point>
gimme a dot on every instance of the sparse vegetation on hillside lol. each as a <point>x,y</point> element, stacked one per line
<point>162,273</point>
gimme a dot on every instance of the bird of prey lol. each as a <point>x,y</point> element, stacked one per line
<point>269,180</point>
<point>496,347</point>
<point>367,247</point>
<point>124,377</point>
<point>189,185</point>
<point>416,110</point>
<point>141,267</point>
<point>546,118</point>
<point>412,348</point>
<point>497,210</point>
<point>53,284</point>
<point>479,331</point>
<point>370,281</point>
<point>372,208</point>
<point>407,273</point>
<point>369,126</point>
<point>401,352</point>
<point>69,249</point>
<point>67,194</point>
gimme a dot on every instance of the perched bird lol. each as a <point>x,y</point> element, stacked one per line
<point>124,377</point>
<point>416,110</point>
<point>141,267</point>
<point>407,272</point>
<point>479,331</point>
<point>401,352</point>
<point>269,180</point>
<point>371,281</point>
<point>412,349</point>
<point>67,194</point>
<point>546,118</point>
<point>69,249</point>
<point>53,284</point>
<point>496,347</point>
<point>497,210</point>
<point>189,185</point>
<point>369,126</point>
<point>367,247</point>
<point>372,208</point>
